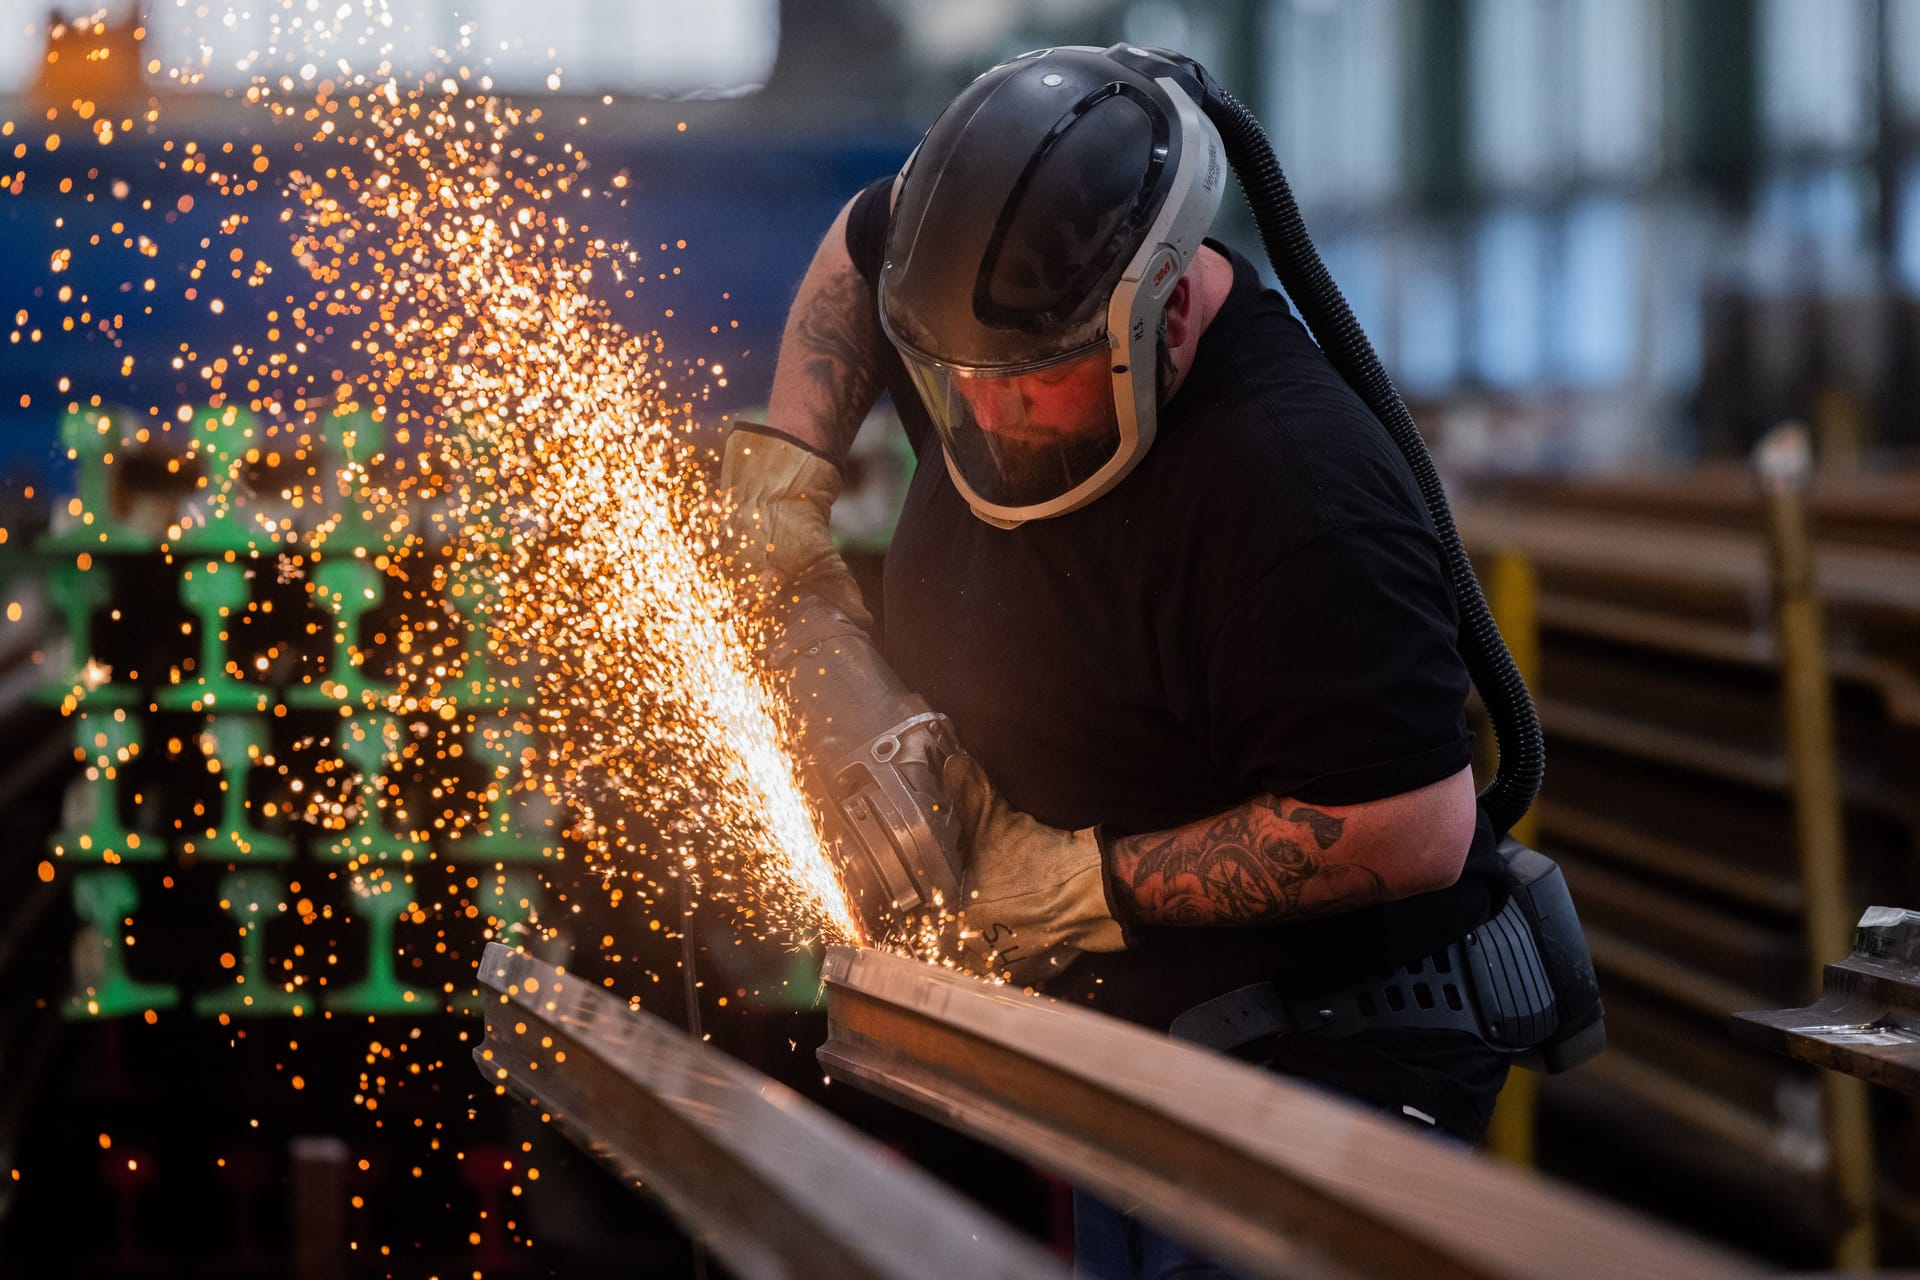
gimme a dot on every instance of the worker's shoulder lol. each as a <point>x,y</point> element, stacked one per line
<point>1285,441</point>
<point>867,216</point>
<point>1257,366</point>
<point>1272,403</point>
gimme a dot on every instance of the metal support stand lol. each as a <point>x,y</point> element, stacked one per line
<point>1513,594</point>
<point>1784,463</point>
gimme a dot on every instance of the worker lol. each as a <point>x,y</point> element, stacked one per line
<point>1171,581</point>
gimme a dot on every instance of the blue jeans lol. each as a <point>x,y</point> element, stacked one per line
<point>1442,1082</point>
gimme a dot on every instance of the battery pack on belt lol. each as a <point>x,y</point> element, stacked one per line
<point>1489,984</point>
<point>1496,984</point>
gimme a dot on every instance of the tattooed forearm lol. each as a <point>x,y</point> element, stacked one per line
<point>836,343</point>
<point>1262,863</point>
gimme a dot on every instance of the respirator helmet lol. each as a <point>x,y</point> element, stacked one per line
<point>1037,231</point>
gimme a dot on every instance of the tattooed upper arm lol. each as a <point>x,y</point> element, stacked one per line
<point>828,373</point>
<point>1267,861</point>
<point>1272,860</point>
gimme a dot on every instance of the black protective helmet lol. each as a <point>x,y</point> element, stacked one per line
<point>1037,231</point>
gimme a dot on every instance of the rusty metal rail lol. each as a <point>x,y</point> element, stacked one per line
<point>770,1183</point>
<point>1867,1020</point>
<point>1270,1175</point>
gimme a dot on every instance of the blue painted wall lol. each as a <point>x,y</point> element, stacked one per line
<point>751,210</point>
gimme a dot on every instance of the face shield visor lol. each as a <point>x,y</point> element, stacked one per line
<point>1023,439</point>
<point>1034,238</point>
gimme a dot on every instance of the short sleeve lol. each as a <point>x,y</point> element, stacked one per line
<point>867,219</point>
<point>1336,677</point>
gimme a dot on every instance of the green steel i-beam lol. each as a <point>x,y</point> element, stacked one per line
<point>347,587</point>
<point>106,901</point>
<point>107,742</point>
<point>381,900</point>
<point>235,741</point>
<point>215,592</point>
<point>253,896</point>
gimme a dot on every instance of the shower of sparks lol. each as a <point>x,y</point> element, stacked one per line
<point>559,462</point>
<point>429,438</point>
<point>538,462</point>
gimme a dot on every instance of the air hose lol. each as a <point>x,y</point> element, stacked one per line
<point>1516,725</point>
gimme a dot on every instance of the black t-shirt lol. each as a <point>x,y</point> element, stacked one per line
<point>1259,607</point>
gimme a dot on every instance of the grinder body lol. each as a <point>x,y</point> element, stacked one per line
<point>875,754</point>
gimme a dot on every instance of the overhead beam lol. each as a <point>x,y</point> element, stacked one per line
<point>1256,1170</point>
<point>770,1183</point>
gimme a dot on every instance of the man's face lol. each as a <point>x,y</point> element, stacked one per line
<point>1045,430</point>
<point>1051,407</point>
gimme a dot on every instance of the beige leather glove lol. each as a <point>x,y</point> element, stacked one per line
<point>782,494</point>
<point>1033,896</point>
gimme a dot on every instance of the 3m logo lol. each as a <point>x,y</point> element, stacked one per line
<point>1161,274</point>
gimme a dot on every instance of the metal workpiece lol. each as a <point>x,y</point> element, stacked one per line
<point>1866,1022</point>
<point>1259,1171</point>
<point>769,1182</point>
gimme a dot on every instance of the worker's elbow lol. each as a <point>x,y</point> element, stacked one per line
<point>1435,861</point>
<point>1437,867</point>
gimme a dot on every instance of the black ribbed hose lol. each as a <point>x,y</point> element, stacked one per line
<point>1516,725</point>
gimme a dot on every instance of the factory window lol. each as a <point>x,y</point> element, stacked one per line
<point>1616,91</point>
<point>1563,88</point>
<point>1599,313</point>
<point>1907,242</point>
<point>649,47</point>
<point>1334,99</point>
<point>1678,241</point>
<point>1903,56</point>
<point>1430,313</point>
<point>1512,263</point>
<point>23,43</point>
<point>1812,232</point>
<point>1519,113</point>
<point>1817,73</point>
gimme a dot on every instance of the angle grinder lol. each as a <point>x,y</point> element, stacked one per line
<point>875,752</point>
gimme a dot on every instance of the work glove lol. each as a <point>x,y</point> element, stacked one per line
<point>1033,897</point>
<point>783,493</point>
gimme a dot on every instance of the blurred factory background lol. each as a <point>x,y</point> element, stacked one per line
<point>1603,246</point>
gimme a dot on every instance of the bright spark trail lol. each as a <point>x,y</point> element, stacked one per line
<point>539,482</point>
<point>538,457</point>
<point>566,474</point>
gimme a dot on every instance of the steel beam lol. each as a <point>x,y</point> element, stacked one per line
<point>1257,1170</point>
<point>769,1182</point>
<point>1867,1020</point>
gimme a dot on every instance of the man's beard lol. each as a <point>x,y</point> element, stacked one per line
<point>1017,471</point>
<point>1034,471</point>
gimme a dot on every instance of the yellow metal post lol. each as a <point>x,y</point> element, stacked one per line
<point>1783,462</point>
<point>1513,592</point>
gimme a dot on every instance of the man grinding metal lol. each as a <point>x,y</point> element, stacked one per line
<point>1169,577</point>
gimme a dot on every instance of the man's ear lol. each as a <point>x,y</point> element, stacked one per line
<point>1179,313</point>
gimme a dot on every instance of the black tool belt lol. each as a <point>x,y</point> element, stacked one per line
<point>1490,984</point>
